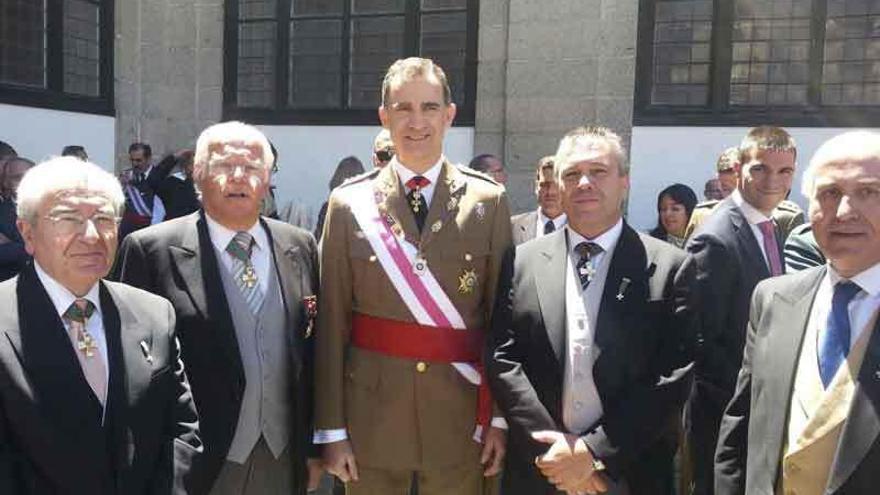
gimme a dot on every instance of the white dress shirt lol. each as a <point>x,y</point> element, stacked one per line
<point>581,404</point>
<point>260,256</point>
<point>432,174</point>
<point>62,298</point>
<point>754,217</point>
<point>861,309</point>
<point>558,222</point>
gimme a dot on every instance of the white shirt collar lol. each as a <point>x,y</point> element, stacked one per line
<point>221,236</point>
<point>406,174</point>
<point>61,296</point>
<point>607,240</point>
<point>868,280</point>
<point>558,222</point>
<point>753,216</point>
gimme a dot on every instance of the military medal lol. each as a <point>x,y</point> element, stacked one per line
<point>587,271</point>
<point>467,281</point>
<point>85,343</point>
<point>420,266</point>
<point>249,277</point>
<point>437,226</point>
<point>416,201</point>
<point>453,202</point>
<point>480,210</point>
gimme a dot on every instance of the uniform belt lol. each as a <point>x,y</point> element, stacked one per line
<point>413,341</point>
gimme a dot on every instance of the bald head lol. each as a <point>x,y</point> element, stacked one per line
<point>853,146</point>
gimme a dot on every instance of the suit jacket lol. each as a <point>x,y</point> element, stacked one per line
<point>51,436</point>
<point>13,256</point>
<point>752,438</point>
<point>396,416</point>
<point>176,259</point>
<point>642,374</point>
<point>524,227</point>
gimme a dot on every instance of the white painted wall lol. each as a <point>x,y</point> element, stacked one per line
<point>661,156</point>
<point>37,133</point>
<point>308,156</point>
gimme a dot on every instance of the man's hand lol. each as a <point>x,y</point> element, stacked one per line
<point>316,469</point>
<point>339,461</point>
<point>494,448</point>
<point>568,463</point>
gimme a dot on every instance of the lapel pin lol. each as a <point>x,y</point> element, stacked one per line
<point>146,350</point>
<point>624,283</point>
<point>480,210</point>
<point>877,374</point>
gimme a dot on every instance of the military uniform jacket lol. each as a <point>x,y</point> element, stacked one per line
<point>399,414</point>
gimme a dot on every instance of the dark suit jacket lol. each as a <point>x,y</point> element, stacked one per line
<point>176,260</point>
<point>524,226</point>
<point>13,257</point>
<point>642,374</point>
<point>51,437</point>
<point>751,442</point>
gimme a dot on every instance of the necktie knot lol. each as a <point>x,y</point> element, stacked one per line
<point>80,311</point>
<point>549,227</point>
<point>418,182</point>
<point>767,227</point>
<point>586,250</point>
<point>241,246</point>
<point>844,292</point>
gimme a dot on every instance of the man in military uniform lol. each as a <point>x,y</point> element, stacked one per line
<point>787,214</point>
<point>410,265</point>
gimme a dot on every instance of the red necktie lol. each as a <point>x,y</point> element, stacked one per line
<point>771,247</point>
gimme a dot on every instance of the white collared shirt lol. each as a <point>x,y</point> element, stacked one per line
<point>558,222</point>
<point>432,174</point>
<point>62,298</point>
<point>861,309</point>
<point>581,404</point>
<point>754,217</point>
<point>260,256</point>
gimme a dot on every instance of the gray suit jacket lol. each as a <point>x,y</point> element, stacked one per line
<point>749,453</point>
<point>524,226</point>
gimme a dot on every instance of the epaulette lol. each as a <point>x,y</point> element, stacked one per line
<point>789,206</point>
<point>707,205</point>
<point>360,177</point>
<point>477,174</point>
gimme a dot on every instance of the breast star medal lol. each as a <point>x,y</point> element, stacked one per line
<point>249,276</point>
<point>467,282</point>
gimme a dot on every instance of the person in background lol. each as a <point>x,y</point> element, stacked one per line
<point>13,256</point>
<point>801,251</point>
<point>712,190</point>
<point>142,207</point>
<point>6,150</point>
<point>174,184</point>
<point>347,168</point>
<point>490,165</point>
<point>674,207</point>
<point>75,151</point>
<point>383,149</point>
<point>548,217</point>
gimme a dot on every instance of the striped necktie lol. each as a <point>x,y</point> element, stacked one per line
<point>240,248</point>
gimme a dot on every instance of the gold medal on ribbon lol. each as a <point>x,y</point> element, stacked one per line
<point>249,276</point>
<point>467,282</point>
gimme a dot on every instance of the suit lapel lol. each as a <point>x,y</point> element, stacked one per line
<point>550,281</point>
<point>198,267</point>
<point>749,243</point>
<point>862,427</point>
<point>393,202</point>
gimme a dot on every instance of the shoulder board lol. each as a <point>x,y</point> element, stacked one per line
<point>476,174</point>
<point>786,205</point>
<point>707,205</point>
<point>360,177</point>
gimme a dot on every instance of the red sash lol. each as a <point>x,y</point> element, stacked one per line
<point>413,341</point>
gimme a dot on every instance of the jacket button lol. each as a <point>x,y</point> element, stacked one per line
<point>421,366</point>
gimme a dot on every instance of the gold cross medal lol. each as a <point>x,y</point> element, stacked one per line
<point>588,271</point>
<point>85,343</point>
<point>416,200</point>
<point>467,281</point>
<point>249,277</point>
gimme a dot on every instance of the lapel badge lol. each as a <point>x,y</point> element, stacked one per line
<point>480,210</point>
<point>310,303</point>
<point>146,350</point>
<point>437,226</point>
<point>453,202</point>
<point>624,283</point>
<point>467,281</point>
<point>877,374</point>
<point>420,266</point>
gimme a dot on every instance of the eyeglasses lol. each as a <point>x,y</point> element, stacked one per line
<point>76,224</point>
<point>229,168</point>
<point>384,155</point>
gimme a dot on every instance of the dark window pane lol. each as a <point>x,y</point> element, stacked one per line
<point>80,47</point>
<point>444,40</point>
<point>682,36</point>
<point>777,34</point>
<point>256,64</point>
<point>316,64</point>
<point>256,9</point>
<point>377,6</point>
<point>376,42</point>
<point>23,42</point>
<point>443,4</point>
<point>852,53</point>
<point>316,7</point>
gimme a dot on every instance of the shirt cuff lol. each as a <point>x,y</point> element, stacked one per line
<point>499,422</point>
<point>330,436</point>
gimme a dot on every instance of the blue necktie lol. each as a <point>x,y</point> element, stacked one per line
<point>834,341</point>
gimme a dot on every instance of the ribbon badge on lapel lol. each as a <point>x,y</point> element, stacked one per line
<point>311,305</point>
<point>624,283</point>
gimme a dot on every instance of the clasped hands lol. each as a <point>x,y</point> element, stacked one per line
<point>568,464</point>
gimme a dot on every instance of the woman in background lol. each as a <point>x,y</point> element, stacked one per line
<point>674,207</point>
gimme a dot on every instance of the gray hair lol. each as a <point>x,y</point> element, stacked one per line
<point>65,173</point>
<point>857,146</point>
<point>568,146</point>
<point>229,132</point>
